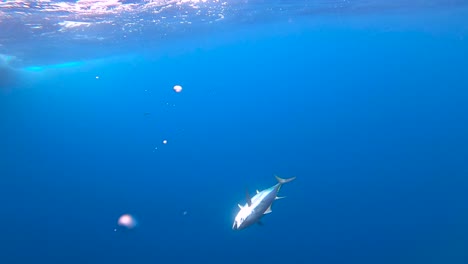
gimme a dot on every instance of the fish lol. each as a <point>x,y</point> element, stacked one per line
<point>258,206</point>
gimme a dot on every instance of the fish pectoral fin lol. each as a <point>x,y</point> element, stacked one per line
<point>260,223</point>
<point>279,197</point>
<point>240,206</point>
<point>258,191</point>
<point>268,210</point>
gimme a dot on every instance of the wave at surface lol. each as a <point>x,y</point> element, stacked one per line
<point>35,28</point>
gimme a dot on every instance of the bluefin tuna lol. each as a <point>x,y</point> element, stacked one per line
<point>258,206</point>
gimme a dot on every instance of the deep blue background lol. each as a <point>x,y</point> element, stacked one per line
<point>372,121</point>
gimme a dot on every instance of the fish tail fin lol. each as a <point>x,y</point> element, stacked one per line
<point>283,181</point>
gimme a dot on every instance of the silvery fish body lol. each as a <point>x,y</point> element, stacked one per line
<point>259,205</point>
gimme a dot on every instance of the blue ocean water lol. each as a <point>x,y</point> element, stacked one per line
<point>365,102</point>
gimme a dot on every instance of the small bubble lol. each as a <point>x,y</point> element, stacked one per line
<point>177,88</point>
<point>127,221</point>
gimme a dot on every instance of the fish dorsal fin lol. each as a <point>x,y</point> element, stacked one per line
<point>240,206</point>
<point>268,210</point>
<point>258,191</point>
<point>247,196</point>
